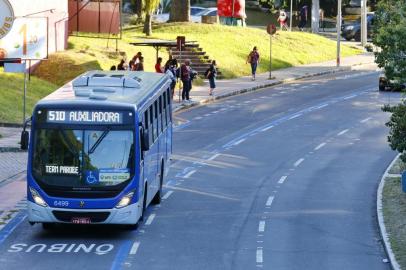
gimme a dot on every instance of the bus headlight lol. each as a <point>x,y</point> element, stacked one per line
<point>37,198</point>
<point>125,200</point>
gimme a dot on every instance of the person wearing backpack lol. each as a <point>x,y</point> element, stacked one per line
<point>253,59</point>
<point>185,77</point>
<point>211,74</point>
<point>171,72</point>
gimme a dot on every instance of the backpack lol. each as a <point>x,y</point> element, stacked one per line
<point>206,73</point>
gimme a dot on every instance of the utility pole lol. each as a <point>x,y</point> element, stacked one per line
<point>364,23</point>
<point>339,18</point>
<point>290,15</point>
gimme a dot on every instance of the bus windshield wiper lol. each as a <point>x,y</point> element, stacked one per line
<point>99,140</point>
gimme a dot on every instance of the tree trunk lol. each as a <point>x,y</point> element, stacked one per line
<point>148,25</point>
<point>180,11</point>
<point>315,15</point>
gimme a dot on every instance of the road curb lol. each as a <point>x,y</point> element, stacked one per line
<point>260,86</point>
<point>384,234</point>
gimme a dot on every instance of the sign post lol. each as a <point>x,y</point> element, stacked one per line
<point>271,29</point>
<point>339,18</point>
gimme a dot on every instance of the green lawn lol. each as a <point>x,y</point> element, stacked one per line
<point>228,45</point>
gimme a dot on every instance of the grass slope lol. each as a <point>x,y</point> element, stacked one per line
<point>228,45</point>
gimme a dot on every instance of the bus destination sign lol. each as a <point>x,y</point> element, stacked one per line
<point>84,117</point>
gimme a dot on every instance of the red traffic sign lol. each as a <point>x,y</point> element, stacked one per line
<point>271,29</point>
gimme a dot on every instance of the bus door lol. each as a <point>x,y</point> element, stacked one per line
<point>150,156</point>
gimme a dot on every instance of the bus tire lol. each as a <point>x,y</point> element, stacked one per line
<point>158,196</point>
<point>48,226</point>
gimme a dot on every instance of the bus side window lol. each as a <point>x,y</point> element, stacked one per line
<point>156,122</point>
<point>165,121</point>
<point>160,114</point>
<point>151,126</point>
<point>145,123</point>
<point>168,108</point>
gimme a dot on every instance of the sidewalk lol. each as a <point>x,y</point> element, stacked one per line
<point>199,94</point>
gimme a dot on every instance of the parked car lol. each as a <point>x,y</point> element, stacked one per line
<point>353,30</point>
<point>194,15</point>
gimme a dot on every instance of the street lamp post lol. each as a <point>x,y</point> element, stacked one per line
<point>339,18</point>
<point>290,16</point>
<point>363,22</point>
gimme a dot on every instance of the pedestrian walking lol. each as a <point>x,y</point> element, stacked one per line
<point>253,59</point>
<point>185,76</point>
<point>211,74</point>
<point>303,17</point>
<point>321,19</point>
<point>158,65</point>
<point>283,20</point>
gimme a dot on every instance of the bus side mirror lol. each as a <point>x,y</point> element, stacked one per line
<point>144,140</point>
<point>25,138</point>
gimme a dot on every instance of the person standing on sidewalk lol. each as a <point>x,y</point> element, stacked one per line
<point>158,65</point>
<point>303,17</point>
<point>253,59</point>
<point>211,75</point>
<point>185,76</point>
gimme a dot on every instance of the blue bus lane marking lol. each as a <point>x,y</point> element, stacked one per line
<point>11,226</point>
<point>121,255</point>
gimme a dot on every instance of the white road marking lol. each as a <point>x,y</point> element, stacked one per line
<point>320,146</point>
<point>207,114</point>
<point>366,120</point>
<point>297,163</point>
<point>260,241</point>
<point>322,106</point>
<point>189,174</point>
<point>213,157</point>
<point>198,118</point>
<point>282,180</point>
<point>216,112</point>
<point>260,258</point>
<point>295,116</point>
<point>269,201</point>
<point>238,142</point>
<point>349,97</point>
<point>343,132</point>
<point>267,128</point>
<point>150,219</point>
<point>261,226</point>
<point>134,248</point>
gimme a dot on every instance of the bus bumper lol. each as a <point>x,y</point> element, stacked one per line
<point>126,215</point>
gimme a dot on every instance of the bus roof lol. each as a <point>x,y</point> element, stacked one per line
<point>126,87</point>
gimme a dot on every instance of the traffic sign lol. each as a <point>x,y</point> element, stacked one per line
<point>271,29</point>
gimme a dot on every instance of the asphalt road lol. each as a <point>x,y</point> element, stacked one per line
<point>282,178</point>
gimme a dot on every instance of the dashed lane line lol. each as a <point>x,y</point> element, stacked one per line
<point>134,248</point>
<point>238,142</point>
<point>295,116</point>
<point>343,132</point>
<point>298,162</point>
<point>267,128</point>
<point>259,255</point>
<point>150,219</point>
<point>261,226</point>
<point>320,146</point>
<point>282,179</point>
<point>270,200</point>
<point>366,120</point>
<point>167,194</point>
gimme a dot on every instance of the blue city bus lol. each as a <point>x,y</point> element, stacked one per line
<point>99,149</point>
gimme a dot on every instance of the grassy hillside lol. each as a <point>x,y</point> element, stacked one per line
<point>228,45</point>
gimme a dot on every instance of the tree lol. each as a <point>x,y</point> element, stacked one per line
<point>397,128</point>
<point>390,36</point>
<point>180,11</point>
<point>150,7</point>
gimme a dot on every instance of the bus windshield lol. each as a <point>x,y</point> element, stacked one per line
<point>83,158</point>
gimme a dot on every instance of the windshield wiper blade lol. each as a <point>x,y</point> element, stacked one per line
<point>99,140</point>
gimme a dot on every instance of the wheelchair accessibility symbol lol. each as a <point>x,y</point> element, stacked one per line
<point>91,178</point>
